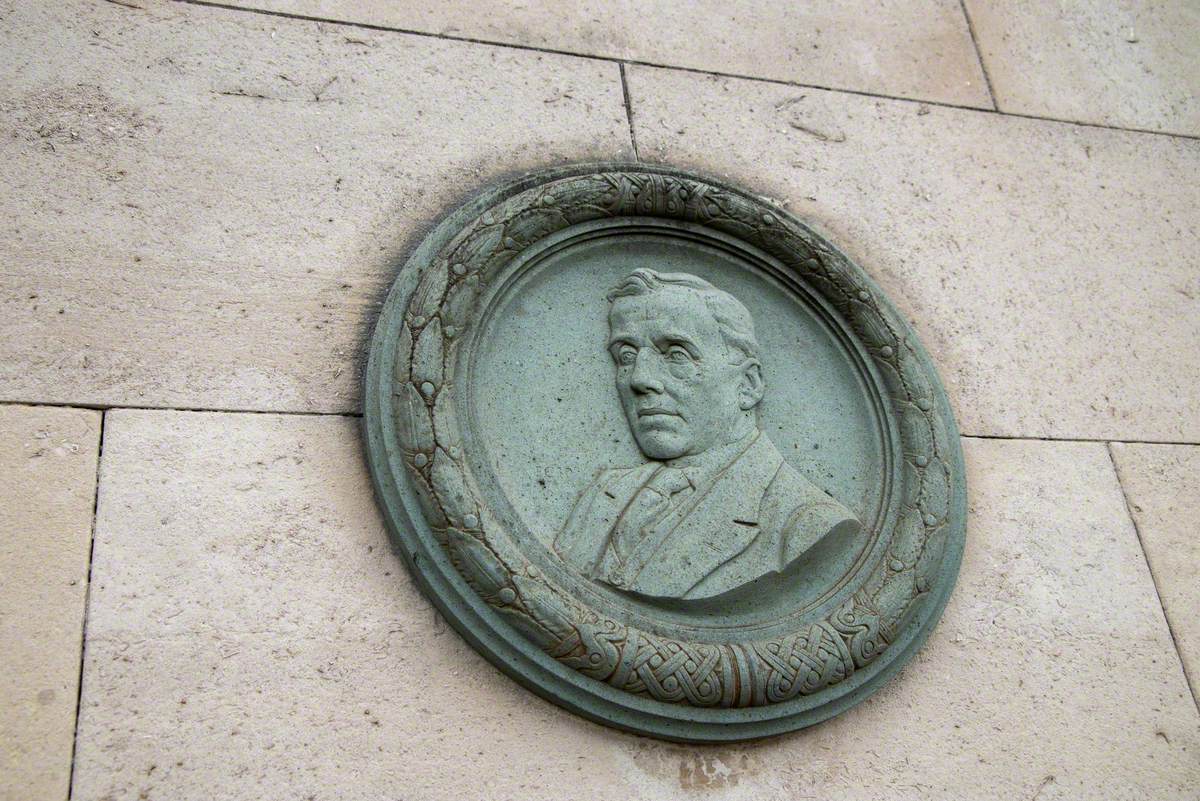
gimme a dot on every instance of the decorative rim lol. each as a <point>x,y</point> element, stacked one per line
<point>478,574</point>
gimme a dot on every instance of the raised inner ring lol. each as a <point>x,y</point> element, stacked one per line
<point>536,358</point>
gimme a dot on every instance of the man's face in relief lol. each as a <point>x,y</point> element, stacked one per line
<point>677,380</point>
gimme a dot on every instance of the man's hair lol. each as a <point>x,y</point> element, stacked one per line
<point>733,319</point>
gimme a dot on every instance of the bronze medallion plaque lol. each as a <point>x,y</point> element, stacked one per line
<point>663,454</point>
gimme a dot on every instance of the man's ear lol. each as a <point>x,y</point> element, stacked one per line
<point>750,390</point>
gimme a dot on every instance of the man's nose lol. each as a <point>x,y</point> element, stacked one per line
<point>645,377</point>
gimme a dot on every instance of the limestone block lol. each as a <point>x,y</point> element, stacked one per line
<point>204,207</point>
<point>48,464</point>
<point>1127,64</point>
<point>1162,484</point>
<point>919,49</point>
<point>252,635</point>
<point>1051,269</point>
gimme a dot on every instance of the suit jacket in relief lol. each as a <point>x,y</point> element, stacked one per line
<point>756,517</point>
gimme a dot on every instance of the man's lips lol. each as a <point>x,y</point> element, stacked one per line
<point>653,411</point>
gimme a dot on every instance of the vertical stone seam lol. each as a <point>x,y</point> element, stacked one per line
<point>987,79</point>
<point>1154,579</point>
<point>629,112</point>
<point>87,602</point>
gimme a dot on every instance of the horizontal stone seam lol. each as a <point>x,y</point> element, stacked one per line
<point>105,407</point>
<point>1099,440</point>
<point>109,407</point>
<point>695,70</point>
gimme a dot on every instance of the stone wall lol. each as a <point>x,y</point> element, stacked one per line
<point>204,205</point>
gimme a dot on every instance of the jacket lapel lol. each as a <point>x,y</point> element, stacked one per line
<point>584,539</point>
<point>714,528</point>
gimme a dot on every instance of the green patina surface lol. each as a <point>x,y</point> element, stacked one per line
<point>662,453</point>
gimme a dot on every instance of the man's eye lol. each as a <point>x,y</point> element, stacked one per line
<point>678,355</point>
<point>626,356</point>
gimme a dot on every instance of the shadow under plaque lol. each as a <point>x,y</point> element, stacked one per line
<point>545,420</point>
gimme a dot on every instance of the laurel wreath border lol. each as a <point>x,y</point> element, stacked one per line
<point>755,673</point>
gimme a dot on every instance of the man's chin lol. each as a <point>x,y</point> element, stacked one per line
<point>662,445</point>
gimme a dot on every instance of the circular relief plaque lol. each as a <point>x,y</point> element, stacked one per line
<point>663,454</point>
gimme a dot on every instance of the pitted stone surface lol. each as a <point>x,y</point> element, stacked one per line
<point>250,630</point>
<point>253,634</point>
<point>1162,485</point>
<point>1051,269</point>
<point>1125,64</point>
<point>205,206</point>
<point>48,464</point>
<point>920,49</point>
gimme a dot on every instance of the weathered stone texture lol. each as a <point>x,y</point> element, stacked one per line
<point>47,491</point>
<point>1128,64</point>
<point>1051,269</point>
<point>204,207</point>
<point>1162,484</point>
<point>251,630</point>
<point>907,48</point>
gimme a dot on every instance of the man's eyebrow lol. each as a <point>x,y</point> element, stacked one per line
<point>673,337</point>
<point>619,339</point>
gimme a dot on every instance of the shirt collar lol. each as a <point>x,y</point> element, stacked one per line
<point>703,467</point>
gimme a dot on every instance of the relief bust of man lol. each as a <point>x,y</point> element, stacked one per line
<point>715,507</point>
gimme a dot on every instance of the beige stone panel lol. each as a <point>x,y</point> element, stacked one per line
<point>204,207</point>
<point>252,635</point>
<point>47,492</point>
<point>1051,269</point>
<point>920,49</point>
<point>1162,485</point>
<point>1130,63</point>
